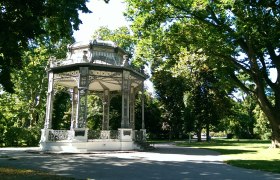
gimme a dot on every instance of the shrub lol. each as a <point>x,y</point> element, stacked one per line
<point>15,136</point>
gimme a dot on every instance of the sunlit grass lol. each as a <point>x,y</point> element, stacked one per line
<point>13,173</point>
<point>251,154</point>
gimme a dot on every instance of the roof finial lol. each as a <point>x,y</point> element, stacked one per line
<point>125,60</point>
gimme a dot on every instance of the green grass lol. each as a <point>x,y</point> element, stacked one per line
<point>13,173</point>
<point>251,154</point>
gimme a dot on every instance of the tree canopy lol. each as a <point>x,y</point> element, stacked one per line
<point>122,36</point>
<point>23,21</point>
<point>241,38</point>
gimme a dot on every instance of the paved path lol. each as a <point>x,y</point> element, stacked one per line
<point>166,162</point>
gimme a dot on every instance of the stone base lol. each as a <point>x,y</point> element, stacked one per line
<point>84,147</point>
<point>75,141</point>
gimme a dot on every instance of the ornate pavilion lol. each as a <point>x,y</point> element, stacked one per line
<point>101,68</point>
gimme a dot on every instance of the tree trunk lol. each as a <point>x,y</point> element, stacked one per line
<point>207,133</point>
<point>274,120</point>
<point>272,111</point>
<point>199,135</point>
<point>275,138</point>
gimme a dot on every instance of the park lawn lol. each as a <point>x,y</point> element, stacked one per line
<point>251,154</point>
<point>13,173</point>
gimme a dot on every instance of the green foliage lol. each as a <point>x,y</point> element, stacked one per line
<point>15,136</point>
<point>115,112</point>
<point>207,103</point>
<point>262,127</point>
<point>121,36</point>
<point>238,38</point>
<point>247,120</point>
<point>170,91</point>
<point>152,116</point>
<point>61,111</point>
<point>94,115</point>
<point>25,21</point>
<point>25,108</point>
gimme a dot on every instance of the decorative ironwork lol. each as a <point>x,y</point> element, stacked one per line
<point>82,98</point>
<point>126,133</point>
<point>139,136</point>
<point>105,135</point>
<point>98,134</point>
<point>125,99</point>
<point>82,111</point>
<point>115,134</point>
<point>94,134</point>
<point>79,132</point>
<point>59,135</point>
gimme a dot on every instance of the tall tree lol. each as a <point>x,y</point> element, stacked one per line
<point>24,107</point>
<point>239,36</point>
<point>23,21</point>
<point>24,110</point>
<point>240,123</point>
<point>170,91</point>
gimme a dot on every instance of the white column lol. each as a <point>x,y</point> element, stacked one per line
<point>49,106</point>
<point>132,108</point>
<point>125,99</point>
<point>82,98</point>
<point>106,108</point>
<point>74,107</point>
<point>143,105</point>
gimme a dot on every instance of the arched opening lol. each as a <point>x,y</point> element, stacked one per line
<point>61,111</point>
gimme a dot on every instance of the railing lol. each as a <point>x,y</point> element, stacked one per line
<point>59,135</point>
<point>139,136</point>
<point>63,62</point>
<point>99,134</point>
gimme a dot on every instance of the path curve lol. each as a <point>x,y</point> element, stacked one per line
<point>166,162</point>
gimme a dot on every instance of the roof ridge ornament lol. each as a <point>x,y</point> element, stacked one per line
<point>125,60</point>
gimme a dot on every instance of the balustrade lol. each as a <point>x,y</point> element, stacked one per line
<point>59,135</point>
<point>139,136</point>
<point>98,134</point>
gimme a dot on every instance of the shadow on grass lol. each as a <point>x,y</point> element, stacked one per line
<point>270,166</point>
<point>223,142</point>
<point>203,144</point>
<point>232,151</point>
<point>229,142</point>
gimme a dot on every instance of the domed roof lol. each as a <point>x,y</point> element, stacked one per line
<point>94,52</point>
<point>95,42</point>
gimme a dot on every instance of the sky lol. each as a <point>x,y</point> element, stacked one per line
<point>103,14</point>
<point>110,15</point>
